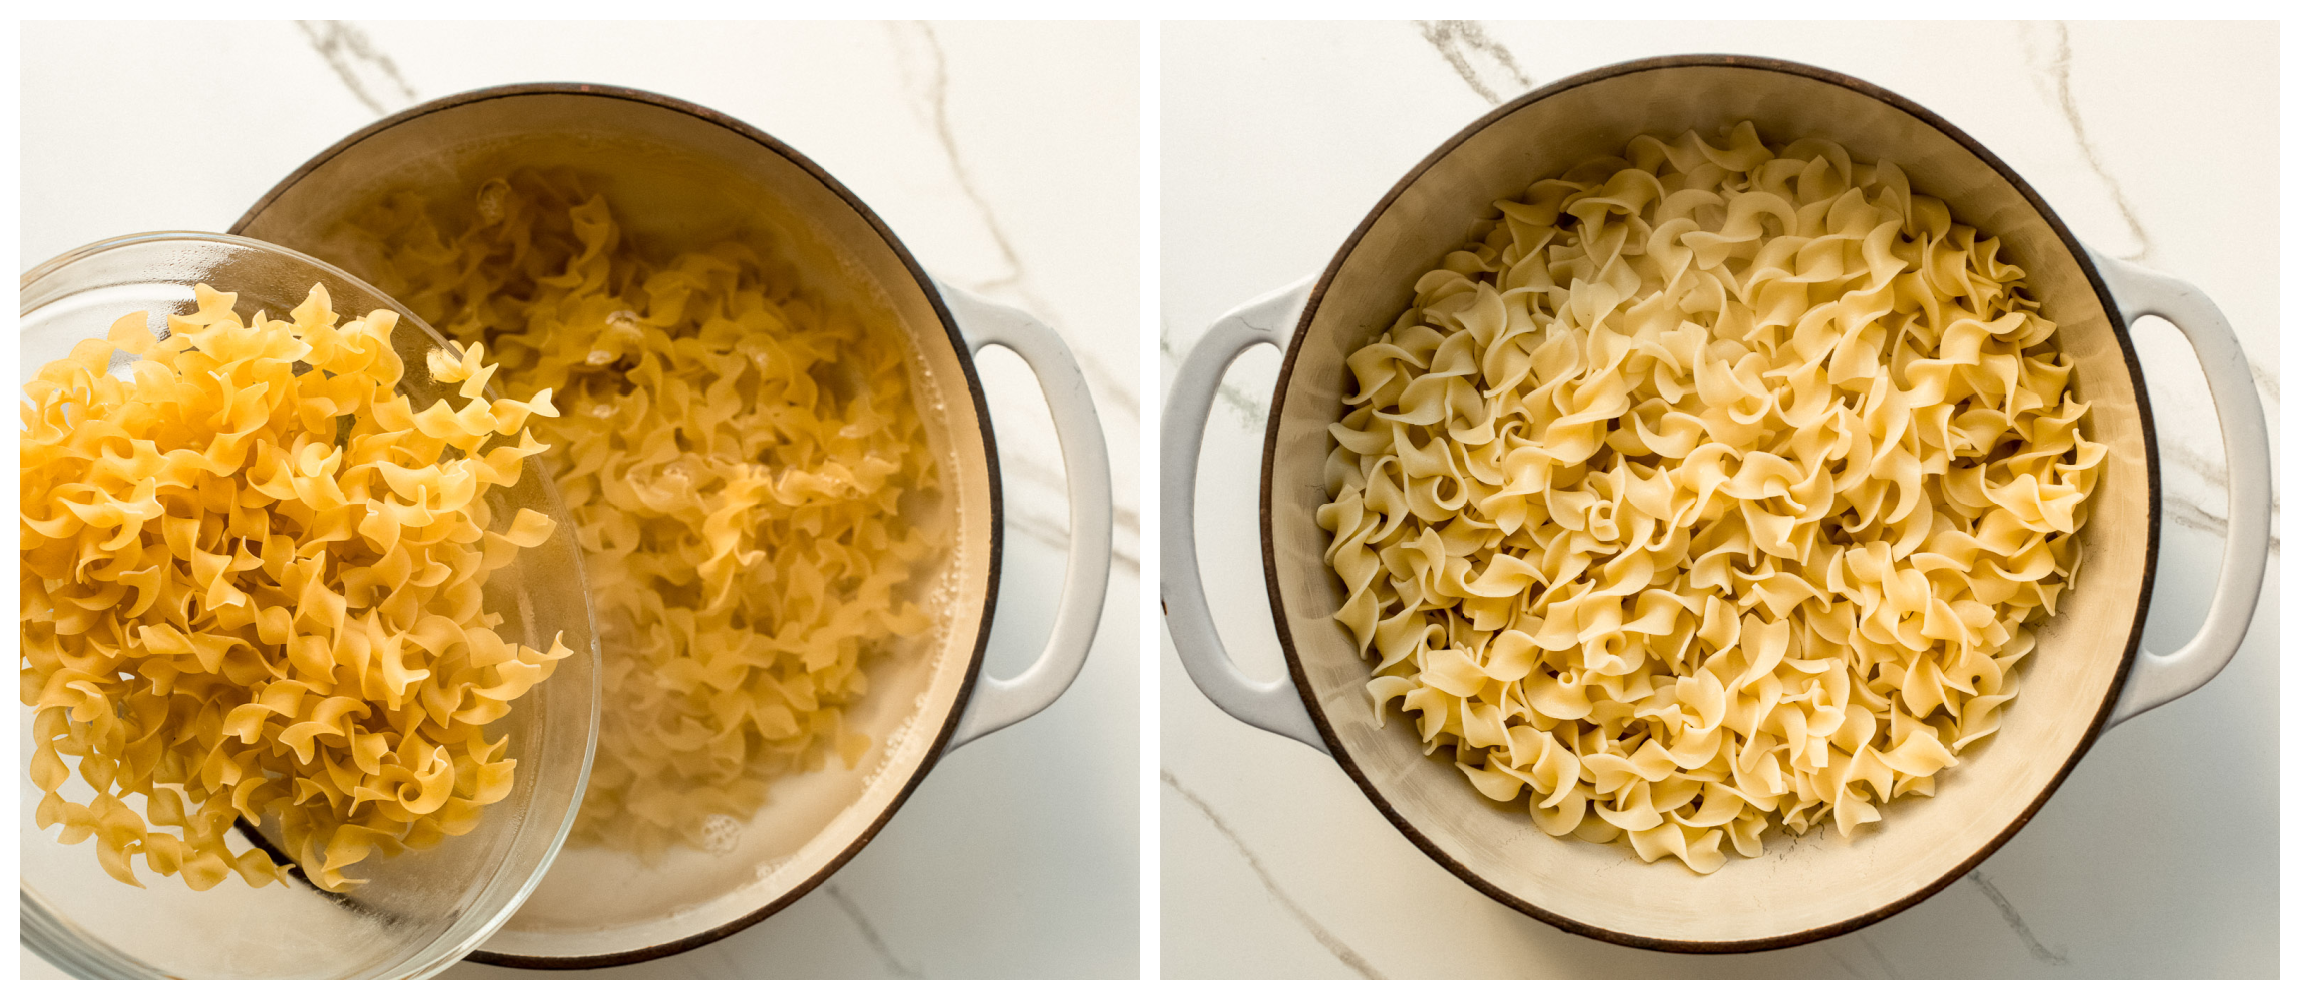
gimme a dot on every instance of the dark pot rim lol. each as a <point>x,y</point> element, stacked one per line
<point>1269,458</point>
<point>775,147</point>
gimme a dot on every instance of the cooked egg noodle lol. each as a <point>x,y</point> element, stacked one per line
<point>736,451</point>
<point>1708,487</point>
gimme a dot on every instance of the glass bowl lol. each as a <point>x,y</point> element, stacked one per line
<point>421,911</point>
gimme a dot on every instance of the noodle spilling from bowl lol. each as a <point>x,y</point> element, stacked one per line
<point>1707,487</point>
<point>736,453</point>
<point>252,579</point>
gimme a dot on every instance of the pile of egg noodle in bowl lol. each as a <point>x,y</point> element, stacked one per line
<point>252,581</point>
<point>1708,487</point>
<point>736,452</point>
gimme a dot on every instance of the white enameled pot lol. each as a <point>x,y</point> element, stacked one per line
<point>681,175</point>
<point>2088,671</point>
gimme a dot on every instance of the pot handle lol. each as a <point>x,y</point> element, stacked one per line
<point>1268,705</point>
<point>2159,678</point>
<point>1001,702</point>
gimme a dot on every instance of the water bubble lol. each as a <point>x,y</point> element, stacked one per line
<point>491,195</point>
<point>721,833</point>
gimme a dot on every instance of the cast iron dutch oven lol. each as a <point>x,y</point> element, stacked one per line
<point>2088,671</point>
<point>680,176</point>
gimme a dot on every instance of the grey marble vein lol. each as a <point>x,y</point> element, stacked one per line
<point>1341,952</point>
<point>1878,954</point>
<point>2012,917</point>
<point>1483,63</point>
<point>1830,949</point>
<point>2210,468</point>
<point>1058,536</point>
<point>370,75</point>
<point>900,969</point>
<point>1041,528</point>
<point>932,94</point>
<point>2054,77</point>
<point>2215,475</point>
<point>713,963</point>
<point>2185,512</point>
<point>1028,469</point>
<point>1250,411</point>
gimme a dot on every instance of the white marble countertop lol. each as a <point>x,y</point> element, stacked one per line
<point>1006,158</point>
<point>2158,856</point>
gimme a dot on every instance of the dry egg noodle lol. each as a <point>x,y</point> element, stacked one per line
<point>1707,487</point>
<point>735,452</point>
<point>252,580</point>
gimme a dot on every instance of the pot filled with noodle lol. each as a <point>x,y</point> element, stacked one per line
<point>778,463</point>
<point>1706,459</point>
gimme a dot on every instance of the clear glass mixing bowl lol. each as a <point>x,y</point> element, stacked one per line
<point>418,912</point>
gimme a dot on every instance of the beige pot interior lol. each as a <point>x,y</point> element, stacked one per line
<point>1811,884</point>
<point>677,180</point>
